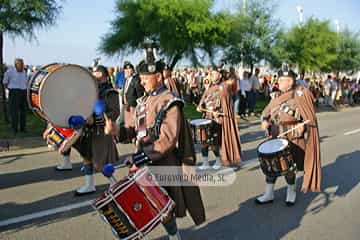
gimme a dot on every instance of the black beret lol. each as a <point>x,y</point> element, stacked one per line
<point>285,71</point>
<point>150,68</point>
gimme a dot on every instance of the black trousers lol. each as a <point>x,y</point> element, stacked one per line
<point>17,109</point>
<point>243,103</point>
<point>290,178</point>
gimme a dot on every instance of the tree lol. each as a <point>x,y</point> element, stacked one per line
<point>253,34</point>
<point>182,27</point>
<point>22,18</point>
<point>348,52</point>
<point>311,46</point>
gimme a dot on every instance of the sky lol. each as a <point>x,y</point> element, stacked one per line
<point>77,35</point>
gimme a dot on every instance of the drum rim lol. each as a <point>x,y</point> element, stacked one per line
<point>57,69</point>
<point>272,153</point>
<point>208,121</point>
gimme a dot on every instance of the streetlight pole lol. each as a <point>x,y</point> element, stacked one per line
<point>244,6</point>
<point>337,23</point>
<point>300,11</point>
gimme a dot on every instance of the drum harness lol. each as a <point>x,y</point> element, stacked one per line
<point>153,131</point>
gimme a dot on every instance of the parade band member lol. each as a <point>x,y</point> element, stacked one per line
<point>171,83</point>
<point>94,146</point>
<point>217,100</point>
<point>132,91</point>
<point>294,105</point>
<point>164,143</point>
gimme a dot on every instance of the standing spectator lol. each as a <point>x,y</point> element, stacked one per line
<point>118,85</point>
<point>132,91</point>
<point>244,86</point>
<point>15,80</point>
<point>111,71</point>
<point>333,89</point>
<point>254,88</point>
<point>327,91</point>
<point>236,90</point>
<point>301,81</point>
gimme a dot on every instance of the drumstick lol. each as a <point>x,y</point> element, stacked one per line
<point>292,129</point>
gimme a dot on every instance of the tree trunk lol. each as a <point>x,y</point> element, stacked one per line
<point>176,58</point>
<point>3,97</point>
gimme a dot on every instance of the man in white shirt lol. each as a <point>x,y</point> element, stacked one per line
<point>334,88</point>
<point>255,86</point>
<point>245,87</point>
<point>16,80</point>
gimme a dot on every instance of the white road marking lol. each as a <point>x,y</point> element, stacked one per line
<point>352,132</point>
<point>44,213</point>
<point>70,207</point>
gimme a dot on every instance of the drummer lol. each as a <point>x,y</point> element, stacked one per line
<point>293,106</point>
<point>217,105</point>
<point>160,144</point>
<point>94,146</point>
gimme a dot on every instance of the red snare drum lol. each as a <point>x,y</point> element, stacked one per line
<point>135,205</point>
<point>61,138</point>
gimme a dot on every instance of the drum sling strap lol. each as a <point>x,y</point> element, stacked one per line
<point>154,130</point>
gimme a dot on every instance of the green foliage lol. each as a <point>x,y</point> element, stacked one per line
<point>253,34</point>
<point>348,52</point>
<point>21,17</point>
<point>180,26</point>
<point>312,46</point>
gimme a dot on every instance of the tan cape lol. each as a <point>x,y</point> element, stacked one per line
<point>172,148</point>
<point>305,102</point>
<point>230,141</point>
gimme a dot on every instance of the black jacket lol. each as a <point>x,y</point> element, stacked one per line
<point>134,91</point>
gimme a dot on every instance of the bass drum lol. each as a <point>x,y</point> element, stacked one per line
<point>58,91</point>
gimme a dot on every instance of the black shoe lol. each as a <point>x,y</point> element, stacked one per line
<point>257,201</point>
<point>290,204</point>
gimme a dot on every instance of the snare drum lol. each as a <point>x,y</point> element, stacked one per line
<point>201,131</point>
<point>135,205</point>
<point>61,138</point>
<point>276,157</point>
<point>58,91</point>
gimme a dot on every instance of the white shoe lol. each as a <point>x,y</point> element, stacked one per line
<point>290,195</point>
<point>175,237</point>
<point>268,196</point>
<point>88,188</point>
<point>66,165</point>
<point>205,164</point>
<point>217,164</point>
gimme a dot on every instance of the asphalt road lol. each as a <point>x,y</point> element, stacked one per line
<point>38,203</point>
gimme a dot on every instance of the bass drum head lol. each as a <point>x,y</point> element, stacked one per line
<point>273,146</point>
<point>200,121</point>
<point>68,91</point>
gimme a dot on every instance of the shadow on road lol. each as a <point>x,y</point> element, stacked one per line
<point>276,220</point>
<point>252,136</point>
<point>9,180</point>
<point>248,222</point>
<point>10,209</point>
